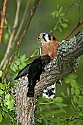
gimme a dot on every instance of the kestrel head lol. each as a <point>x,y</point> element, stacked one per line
<point>44,37</point>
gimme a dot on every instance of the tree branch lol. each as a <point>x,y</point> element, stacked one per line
<point>3,19</point>
<point>66,62</point>
<point>78,24</point>
<point>22,21</point>
<point>12,33</point>
<point>20,40</point>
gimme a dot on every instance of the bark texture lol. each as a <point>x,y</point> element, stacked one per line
<point>66,62</point>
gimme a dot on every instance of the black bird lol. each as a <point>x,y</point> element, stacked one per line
<point>34,71</point>
<point>23,72</point>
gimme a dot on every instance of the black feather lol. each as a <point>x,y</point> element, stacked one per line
<point>30,92</point>
<point>23,72</point>
<point>35,70</point>
<point>34,73</point>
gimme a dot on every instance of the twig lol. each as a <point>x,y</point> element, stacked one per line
<point>2,19</point>
<point>23,19</point>
<point>78,24</point>
<point>20,40</point>
<point>17,14</point>
<point>12,34</point>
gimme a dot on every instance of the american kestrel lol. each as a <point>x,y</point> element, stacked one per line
<point>49,46</point>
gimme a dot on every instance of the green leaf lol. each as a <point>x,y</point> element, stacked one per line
<point>72,76</point>
<point>81,114</point>
<point>9,101</point>
<point>55,28</point>
<point>82,92</point>
<point>1,92</point>
<point>67,80</point>
<point>57,14</point>
<point>7,96</point>
<point>14,67</point>
<point>60,29</point>
<point>80,100</point>
<point>60,10</point>
<point>2,86</point>
<point>0,73</point>
<point>68,91</point>
<point>58,99</point>
<point>39,120</point>
<point>62,94</point>
<point>64,25</point>
<point>73,83</point>
<point>0,117</point>
<point>17,62</point>
<point>61,105</point>
<point>65,20</point>
<point>77,91</point>
<point>62,14</point>
<point>21,66</point>
<point>11,104</point>
<point>72,91</point>
<point>77,4</point>
<point>75,99</point>
<point>23,58</point>
<point>53,14</point>
<point>72,102</point>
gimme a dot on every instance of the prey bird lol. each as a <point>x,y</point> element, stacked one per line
<point>49,46</point>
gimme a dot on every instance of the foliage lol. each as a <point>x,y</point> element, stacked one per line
<point>7,90</point>
<point>61,19</point>
<point>66,109</point>
<point>21,61</point>
<point>7,106</point>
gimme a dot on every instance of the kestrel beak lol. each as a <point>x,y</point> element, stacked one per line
<point>40,37</point>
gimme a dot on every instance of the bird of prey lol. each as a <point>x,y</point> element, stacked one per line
<point>49,46</point>
<point>34,71</point>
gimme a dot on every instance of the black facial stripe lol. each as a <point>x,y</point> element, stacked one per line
<point>44,34</point>
<point>49,36</point>
<point>44,37</point>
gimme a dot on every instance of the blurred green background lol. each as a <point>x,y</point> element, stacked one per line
<point>44,22</point>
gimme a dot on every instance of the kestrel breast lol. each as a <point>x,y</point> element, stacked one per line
<point>50,48</point>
